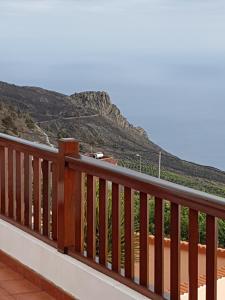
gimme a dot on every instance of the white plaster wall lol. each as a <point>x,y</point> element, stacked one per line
<point>71,275</point>
<point>202,291</point>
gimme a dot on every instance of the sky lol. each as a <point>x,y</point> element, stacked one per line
<point>161,61</point>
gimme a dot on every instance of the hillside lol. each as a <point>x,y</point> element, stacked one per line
<point>91,118</point>
<point>17,123</point>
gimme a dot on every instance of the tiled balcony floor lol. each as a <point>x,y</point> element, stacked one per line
<point>15,286</point>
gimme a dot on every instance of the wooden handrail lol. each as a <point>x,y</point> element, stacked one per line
<point>173,192</point>
<point>25,146</point>
<point>29,180</point>
<point>46,188</point>
<point>179,196</point>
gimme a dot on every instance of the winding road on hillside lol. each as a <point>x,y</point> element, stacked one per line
<point>67,118</point>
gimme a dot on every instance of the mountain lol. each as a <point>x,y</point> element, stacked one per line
<point>91,118</point>
<point>18,123</point>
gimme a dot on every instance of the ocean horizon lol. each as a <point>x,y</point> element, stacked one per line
<point>162,63</point>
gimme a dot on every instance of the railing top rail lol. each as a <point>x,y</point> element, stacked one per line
<point>154,186</point>
<point>185,196</point>
<point>27,146</point>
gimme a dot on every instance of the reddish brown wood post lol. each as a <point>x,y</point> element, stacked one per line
<point>129,233</point>
<point>66,203</point>
<point>211,258</point>
<point>37,194</point>
<point>103,221</point>
<point>18,187</point>
<point>2,174</point>
<point>54,200</point>
<point>159,247</point>
<point>46,197</point>
<point>175,252</point>
<point>91,217</point>
<point>116,227</point>
<point>193,254</point>
<point>10,183</point>
<point>144,235</point>
<point>27,190</point>
<point>79,211</point>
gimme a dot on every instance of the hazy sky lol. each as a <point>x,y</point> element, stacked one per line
<point>162,61</point>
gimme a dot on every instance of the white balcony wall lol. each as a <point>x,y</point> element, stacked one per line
<point>67,273</point>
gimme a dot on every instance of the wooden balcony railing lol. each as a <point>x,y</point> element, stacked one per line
<point>76,204</point>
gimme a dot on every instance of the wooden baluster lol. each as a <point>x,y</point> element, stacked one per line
<point>18,187</point>
<point>144,240</point>
<point>103,221</point>
<point>10,183</point>
<point>91,217</point>
<point>66,193</point>
<point>3,178</point>
<point>159,247</point>
<point>211,258</point>
<point>129,233</point>
<point>22,190</point>
<point>115,228</point>
<point>27,190</point>
<point>175,252</point>
<point>54,200</point>
<point>37,193</point>
<point>193,254</point>
<point>79,211</point>
<point>46,197</point>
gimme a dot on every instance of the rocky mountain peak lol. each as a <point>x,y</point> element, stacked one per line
<point>101,103</point>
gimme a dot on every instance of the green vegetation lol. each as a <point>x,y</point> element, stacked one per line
<point>62,134</point>
<point>8,122</point>
<point>29,122</point>
<point>197,183</point>
<point>204,185</point>
<point>136,207</point>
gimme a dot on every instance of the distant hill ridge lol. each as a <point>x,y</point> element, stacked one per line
<point>91,118</point>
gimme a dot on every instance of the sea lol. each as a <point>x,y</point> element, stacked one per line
<point>161,61</point>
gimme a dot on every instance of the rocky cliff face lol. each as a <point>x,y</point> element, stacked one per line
<point>89,117</point>
<point>101,103</point>
<point>42,105</point>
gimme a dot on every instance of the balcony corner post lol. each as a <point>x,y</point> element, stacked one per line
<point>66,203</point>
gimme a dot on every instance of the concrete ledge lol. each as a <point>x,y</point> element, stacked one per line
<point>35,278</point>
<point>65,272</point>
